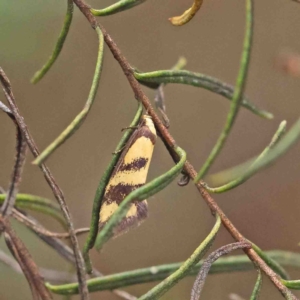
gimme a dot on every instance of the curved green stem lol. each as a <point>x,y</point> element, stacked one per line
<point>76,123</point>
<point>116,7</point>
<point>291,284</point>
<point>39,204</point>
<point>286,142</point>
<point>273,264</point>
<point>90,241</point>
<point>141,193</point>
<point>154,79</point>
<point>241,179</point>
<point>236,263</point>
<point>257,287</point>
<point>237,96</point>
<point>59,44</point>
<point>169,282</point>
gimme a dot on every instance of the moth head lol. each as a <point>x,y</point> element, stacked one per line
<point>147,121</point>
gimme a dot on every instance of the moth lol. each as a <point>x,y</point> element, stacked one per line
<point>129,174</point>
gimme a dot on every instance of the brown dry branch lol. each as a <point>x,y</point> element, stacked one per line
<point>50,180</point>
<point>25,261</point>
<point>21,147</point>
<point>48,275</point>
<point>32,225</point>
<point>53,240</point>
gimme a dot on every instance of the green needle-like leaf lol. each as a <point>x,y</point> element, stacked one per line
<point>77,122</point>
<point>116,7</point>
<point>257,287</point>
<point>291,284</point>
<point>155,78</point>
<point>185,268</point>
<point>237,96</point>
<point>286,142</point>
<point>242,178</point>
<point>236,263</point>
<point>59,44</point>
<point>38,204</point>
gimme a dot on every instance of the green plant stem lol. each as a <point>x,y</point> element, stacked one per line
<point>116,7</point>
<point>237,263</point>
<point>273,264</point>
<point>241,179</point>
<point>257,287</point>
<point>155,78</point>
<point>89,244</point>
<point>39,204</point>
<point>169,282</point>
<point>141,193</point>
<point>59,44</point>
<point>273,154</point>
<point>238,93</point>
<point>76,123</point>
<point>291,284</point>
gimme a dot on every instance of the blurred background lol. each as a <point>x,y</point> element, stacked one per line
<point>265,209</point>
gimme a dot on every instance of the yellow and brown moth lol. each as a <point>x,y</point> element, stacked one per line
<point>130,173</point>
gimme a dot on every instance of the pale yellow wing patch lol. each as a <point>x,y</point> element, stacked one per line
<point>143,147</point>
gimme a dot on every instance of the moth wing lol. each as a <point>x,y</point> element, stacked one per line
<point>129,173</point>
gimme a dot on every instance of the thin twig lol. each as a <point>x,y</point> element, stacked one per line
<point>66,252</point>
<point>201,277</point>
<point>7,260</point>
<point>18,166</point>
<point>48,275</point>
<point>32,225</point>
<point>52,183</point>
<point>24,270</point>
<point>25,260</point>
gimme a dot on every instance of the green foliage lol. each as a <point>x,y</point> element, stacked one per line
<point>270,263</point>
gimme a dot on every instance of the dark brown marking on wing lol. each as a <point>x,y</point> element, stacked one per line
<point>143,130</point>
<point>117,193</point>
<point>136,165</point>
<point>120,191</point>
<point>147,133</point>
